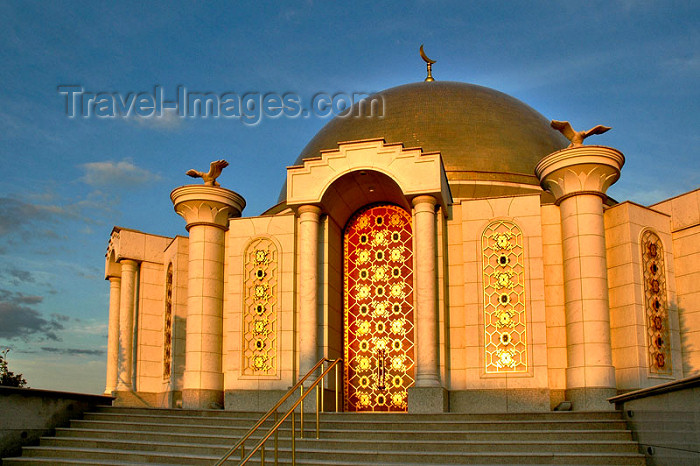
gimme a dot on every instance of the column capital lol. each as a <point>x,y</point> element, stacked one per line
<point>207,205</point>
<point>128,262</point>
<point>424,200</point>
<point>580,170</point>
<point>309,209</point>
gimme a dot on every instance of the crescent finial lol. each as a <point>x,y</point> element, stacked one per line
<point>425,57</point>
<point>429,62</point>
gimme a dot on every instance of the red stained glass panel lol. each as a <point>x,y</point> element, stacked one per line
<point>378,309</point>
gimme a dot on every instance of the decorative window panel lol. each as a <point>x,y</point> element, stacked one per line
<point>505,326</point>
<point>261,288</point>
<point>656,308</point>
<point>168,324</point>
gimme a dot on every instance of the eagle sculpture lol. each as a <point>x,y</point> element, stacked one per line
<point>577,137</point>
<point>214,172</point>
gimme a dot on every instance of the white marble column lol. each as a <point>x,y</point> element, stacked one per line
<point>309,216</point>
<point>207,210</point>
<point>425,269</point>
<point>578,177</point>
<point>586,293</point>
<point>203,356</point>
<point>127,303</point>
<point>113,334</point>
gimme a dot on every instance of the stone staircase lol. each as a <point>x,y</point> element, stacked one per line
<point>119,436</point>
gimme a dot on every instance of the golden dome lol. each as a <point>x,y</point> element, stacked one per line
<point>482,134</point>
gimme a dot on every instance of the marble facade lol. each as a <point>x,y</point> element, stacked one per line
<point>235,313</point>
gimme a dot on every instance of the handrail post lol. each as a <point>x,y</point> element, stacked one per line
<point>262,455</point>
<point>294,451</point>
<point>242,452</point>
<point>317,408</point>
<point>336,386</point>
<point>276,441</point>
<point>301,414</point>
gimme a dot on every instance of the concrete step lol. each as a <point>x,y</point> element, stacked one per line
<point>172,419</point>
<point>461,435</point>
<point>353,422</point>
<point>335,445</point>
<point>214,413</point>
<point>464,435</point>
<point>539,416</point>
<point>493,457</point>
<point>380,425</point>
<point>211,429</point>
<point>362,416</point>
<point>168,436</point>
<point>58,454</point>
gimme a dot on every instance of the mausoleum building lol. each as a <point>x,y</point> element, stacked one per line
<point>456,252</point>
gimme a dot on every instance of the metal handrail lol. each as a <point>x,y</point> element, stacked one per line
<point>268,414</point>
<point>290,412</point>
<point>278,422</point>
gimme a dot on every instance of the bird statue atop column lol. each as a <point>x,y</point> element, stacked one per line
<point>210,177</point>
<point>577,137</point>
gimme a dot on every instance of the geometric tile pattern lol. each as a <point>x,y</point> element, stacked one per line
<point>656,308</point>
<point>259,346</point>
<point>503,273</point>
<point>378,309</point>
<point>168,324</point>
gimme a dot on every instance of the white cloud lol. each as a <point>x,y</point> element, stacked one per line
<point>22,222</point>
<point>644,196</point>
<point>90,327</point>
<point>110,173</point>
<point>547,71</point>
<point>168,120</point>
<point>684,64</point>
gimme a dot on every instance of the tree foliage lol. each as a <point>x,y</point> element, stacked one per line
<point>7,377</point>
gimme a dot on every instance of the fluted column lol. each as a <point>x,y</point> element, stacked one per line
<point>127,297</point>
<point>113,334</point>
<point>207,210</point>
<point>578,177</point>
<point>425,260</point>
<point>309,216</point>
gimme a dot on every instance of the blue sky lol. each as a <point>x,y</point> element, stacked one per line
<point>632,65</point>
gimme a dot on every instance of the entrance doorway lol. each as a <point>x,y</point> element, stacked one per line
<point>378,309</point>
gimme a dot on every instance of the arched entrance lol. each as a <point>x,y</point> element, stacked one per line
<point>378,309</point>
